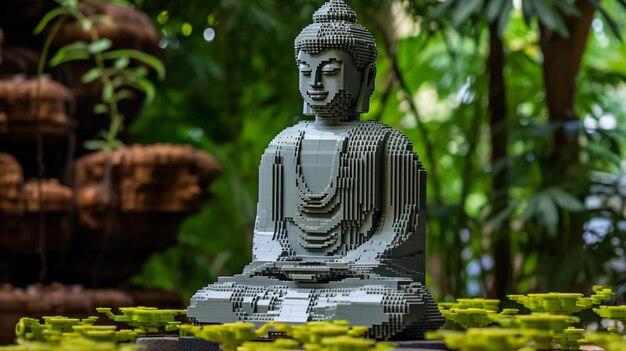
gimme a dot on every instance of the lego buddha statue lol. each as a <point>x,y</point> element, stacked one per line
<point>340,225</point>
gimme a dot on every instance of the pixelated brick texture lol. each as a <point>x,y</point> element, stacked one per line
<point>334,26</point>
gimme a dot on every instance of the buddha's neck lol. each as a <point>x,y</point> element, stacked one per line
<point>332,121</point>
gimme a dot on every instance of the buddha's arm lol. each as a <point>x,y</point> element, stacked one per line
<point>405,201</point>
<point>397,246</point>
<point>267,228</point>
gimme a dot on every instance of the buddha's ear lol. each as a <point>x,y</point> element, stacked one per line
<point>367,88</point>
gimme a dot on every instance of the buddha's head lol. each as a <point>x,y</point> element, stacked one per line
<point>337,62</point>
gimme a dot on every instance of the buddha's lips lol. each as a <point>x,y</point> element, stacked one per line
<point>317,95</point>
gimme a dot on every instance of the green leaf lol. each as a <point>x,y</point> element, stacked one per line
<point>100,108</point>
<point>144,85</point>
<point>99,46</point>
<point>52,14</point>
<point>504,17</point>
<point>58,59</point>
<point>94,144</point>
<point>121,63</point>
<point>107,92</point>
<point>615,28</point>
<point>148,59</point>
<point>527,10</point>
<point>91,75</point>
<point>442,8</point>
<point>494,9</point>
<point>464,9</point>
<point>124,94</point>
<point>71,52</point>
<point>551,18</point>
<point>84,21</point>
<point>566,200</point>
<point>548,213</point>
<point>568,8</point>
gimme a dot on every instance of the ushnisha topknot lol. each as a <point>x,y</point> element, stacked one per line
<point>334,26</point>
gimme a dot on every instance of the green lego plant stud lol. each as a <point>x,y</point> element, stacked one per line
<point>482,339</point>
<point>617,313</point>
<point>230,335</point>
<point>555,303</point>
<point>346,343</point>
<point>602,339</point>
<point>469,317</point>
<point>487,304</point>
<point>545,328</point>
<point>144,319</point>
<point>601,294</point>
<point>570,338</point>
<point>563,303</point>
<point>52,328</point>
<point>276,345</point>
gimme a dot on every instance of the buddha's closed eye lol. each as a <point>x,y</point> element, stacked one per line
<point>332,68</point>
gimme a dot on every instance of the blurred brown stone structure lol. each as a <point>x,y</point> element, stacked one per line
<point>70,237</point>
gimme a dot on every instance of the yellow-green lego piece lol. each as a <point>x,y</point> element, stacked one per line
<point>144,319</point>
<point>482,339</point>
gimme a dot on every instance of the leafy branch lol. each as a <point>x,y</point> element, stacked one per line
<point>112,69</point>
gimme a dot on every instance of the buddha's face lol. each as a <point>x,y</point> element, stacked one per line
<point>326,76</point>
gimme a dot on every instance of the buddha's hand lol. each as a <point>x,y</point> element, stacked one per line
<point>316,272</point>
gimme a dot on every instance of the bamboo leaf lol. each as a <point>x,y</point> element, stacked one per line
<point>464,9</point>
<point>568,8</point>
<point>494,9</point>
<point>442,8</point>
<point>551,18</point>
<point>504,17</point>
<point>566,200</point>
<point>148,59</point>
<point>548,214</point>
<point>527,11</point>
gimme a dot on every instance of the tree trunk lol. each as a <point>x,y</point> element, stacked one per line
<point>499,153</point>
<point>562,58</point>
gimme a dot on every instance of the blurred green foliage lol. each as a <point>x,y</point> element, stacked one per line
<point>232,86</point>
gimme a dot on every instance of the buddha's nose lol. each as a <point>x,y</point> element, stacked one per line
<point>317,84</point>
